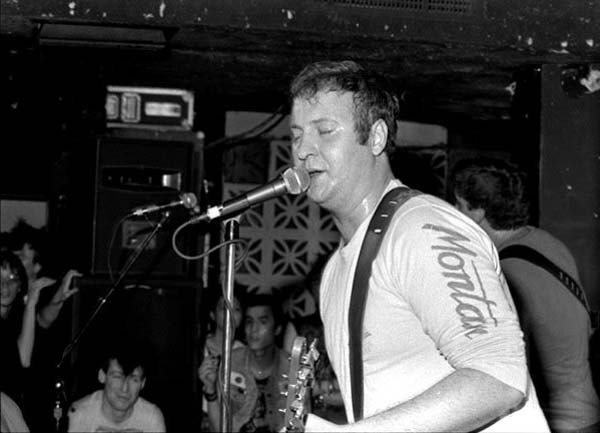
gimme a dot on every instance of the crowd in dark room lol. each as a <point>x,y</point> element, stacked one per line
<point>64,205</point>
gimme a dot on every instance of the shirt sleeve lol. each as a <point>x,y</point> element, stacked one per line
<point>449,272</point>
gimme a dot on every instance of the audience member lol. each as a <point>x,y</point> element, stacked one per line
<point>31,245</point>
<point>256,372</point>
<point>118,406</point>
<point>555,322</point>
<point>17,324</point>
<point>212,350</point>
<point>214,338</point>
<point>440,347</point>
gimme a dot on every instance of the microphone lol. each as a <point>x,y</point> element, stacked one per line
<point>186,199</point>
<point>294,180</point>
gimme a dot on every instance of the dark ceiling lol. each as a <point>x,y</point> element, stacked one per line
<point>450,59</point>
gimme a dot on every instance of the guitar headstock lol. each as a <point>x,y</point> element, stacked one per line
<point>300,378</point>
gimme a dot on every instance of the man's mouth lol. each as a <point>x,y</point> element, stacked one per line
<point>314,173</point>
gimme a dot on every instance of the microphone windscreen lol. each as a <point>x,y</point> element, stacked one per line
<point>297,180</point>
<point>189,200</point>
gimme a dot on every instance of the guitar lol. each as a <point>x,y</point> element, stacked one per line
<point>300,379</point>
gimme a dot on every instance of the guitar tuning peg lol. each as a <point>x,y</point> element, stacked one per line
<point>281,410</point>
<point>284,376</point>
<point>284,393</point>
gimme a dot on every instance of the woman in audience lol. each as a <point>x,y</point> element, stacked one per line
<point>17,324</point>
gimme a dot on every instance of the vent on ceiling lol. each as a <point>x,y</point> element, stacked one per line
<point>447,7</point>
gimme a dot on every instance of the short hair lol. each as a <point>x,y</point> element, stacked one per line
<point>267,300</point>
<point>129,355</point>
<point>372,94</point>
<point>10,260</point>
<point>497,187</point>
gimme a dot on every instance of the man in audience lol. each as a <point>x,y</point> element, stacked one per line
<point>256,372</point>
<point>555,322</point>
<point>118,406</point>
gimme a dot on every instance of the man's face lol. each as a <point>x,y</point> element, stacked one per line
<point>260,327</point>
<point>27,256</point>
<point>325,143</point>
<point>120,391</point>
<point>10,286</point>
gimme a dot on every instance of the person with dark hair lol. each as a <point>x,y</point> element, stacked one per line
<point>118,406</point>
<point>212,349</point>
<point>17,324</point>
<point>216,330</point>
<point>431,341</point>
<point>556,323</point>
<point>256,372</point>
<point>31,245</point>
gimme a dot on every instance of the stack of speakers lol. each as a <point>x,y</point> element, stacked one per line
<point>158,302</point>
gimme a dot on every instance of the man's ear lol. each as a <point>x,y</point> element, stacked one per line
<point>101,376</point>
<point>143,383</point>
<point>378,137</point>
<point>37,268</point>
<point>278,330</point>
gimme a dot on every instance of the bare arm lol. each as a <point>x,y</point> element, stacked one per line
<point>464,401</point>
<point>50,312</point>
<point>26,337</point>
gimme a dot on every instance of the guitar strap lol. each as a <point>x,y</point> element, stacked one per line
<point>378,225</point>
<point>533,256</point>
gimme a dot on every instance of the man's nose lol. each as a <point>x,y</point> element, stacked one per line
<point>125,385</point>
<point>305,146</point>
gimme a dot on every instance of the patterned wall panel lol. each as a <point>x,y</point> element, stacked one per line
<point>285,236</point>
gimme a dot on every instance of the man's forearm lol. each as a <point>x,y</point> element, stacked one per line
<point>464,401</point>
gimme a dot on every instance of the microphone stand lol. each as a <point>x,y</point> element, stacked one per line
<point>231,233</point>
<point>59,385</point>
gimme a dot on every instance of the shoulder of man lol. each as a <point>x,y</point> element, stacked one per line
<point>426,213</point>
<point>150,414</point>
<point>86,402</point>
<point>83,411</point>
<point>147,406</point>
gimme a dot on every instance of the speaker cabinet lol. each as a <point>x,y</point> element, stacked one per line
<point>159,315</point>
<point>112,177</point>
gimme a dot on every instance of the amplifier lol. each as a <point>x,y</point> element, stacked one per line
<point>149,108</point>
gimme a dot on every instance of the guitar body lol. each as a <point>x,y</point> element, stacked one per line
<point>300,379</point>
